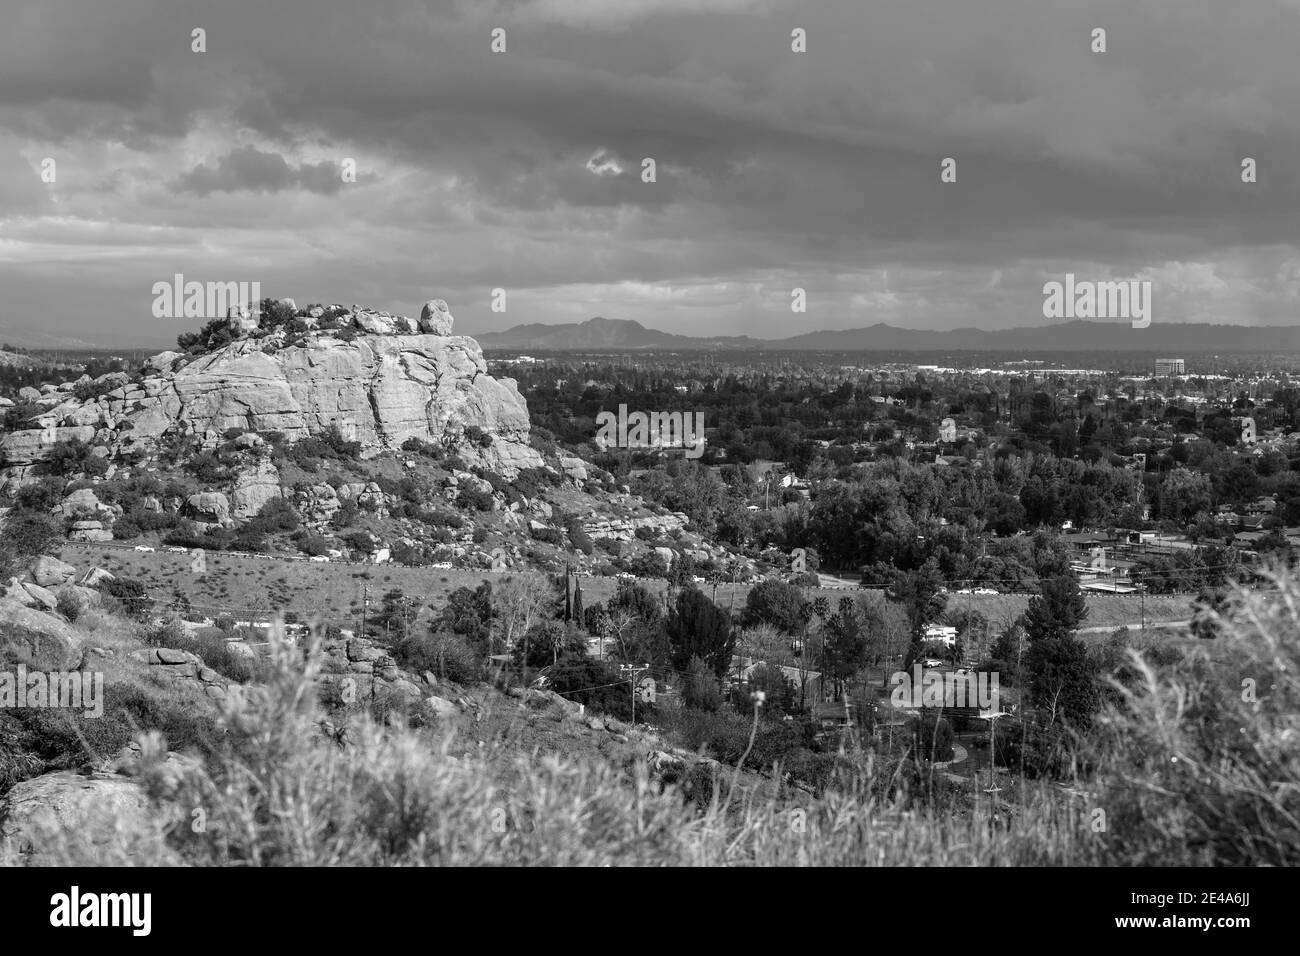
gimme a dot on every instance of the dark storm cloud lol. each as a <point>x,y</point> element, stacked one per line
<point>252,169</point>
<point>818,169</point>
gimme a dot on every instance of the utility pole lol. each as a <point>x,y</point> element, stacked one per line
<point>992,789</point>
<point>631,670</point>
<point>1142,605</point>
<point>365,606</point>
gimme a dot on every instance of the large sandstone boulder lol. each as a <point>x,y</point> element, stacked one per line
<point>183,670</point>
<point>70,806</point>
<point>83,503</point>
<point>37,637</point>
<point>38,597</point>
<point>50,572</point>
<point>161,363</point>
<point>211,507</point>
<point>84,596</point>
<point>97,576</point>
<point>574,468</point>
<point>89,531</point>
<point>435,318</point>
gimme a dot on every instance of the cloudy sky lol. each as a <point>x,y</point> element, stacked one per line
<point>775,169</point>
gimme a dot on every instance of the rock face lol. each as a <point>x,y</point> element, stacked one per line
<point>369,374</point>
<point>69,804</point>
<point>183,669</point>
<point>253,489</point>
<point>37,637</point>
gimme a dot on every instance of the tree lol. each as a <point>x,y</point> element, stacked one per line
<point>844,645</point>
<point>594,684</point>
<point>918,593</point>
<point>1008,650</point>
<point>1057,611</point>
<point>577,602</point>
<point>1062,679</point>
<point>517,605</point>
<point>468,614</point>
<point>275,313</point>
<point>777,603</point>
<point>700,687</point>
<point>699,628</point>
<point>778,690</point>
<point>1060,676</point>
<point>637,600</point>
<point>396,615</point>
<point>545,642</point>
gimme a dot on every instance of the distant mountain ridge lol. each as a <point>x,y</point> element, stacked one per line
<point>601,333</point>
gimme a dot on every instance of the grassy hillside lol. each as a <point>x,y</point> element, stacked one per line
<point>252,586</point>
<point>1184,771</point>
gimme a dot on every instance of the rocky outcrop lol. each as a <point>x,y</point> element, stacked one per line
<point>317,504</point>
<point>624,529</point>
<point>88,530</point>
<point>39,638</point>
<point>92,808</point>
<point>49,572</point>
<point>574,468</point>
<point>371,375</point>
<point>357,670</point>
<point>185,670</point>
<point>253,489</point>
<point>209,507</point>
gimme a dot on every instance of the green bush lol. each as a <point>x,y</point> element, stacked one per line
<point>931,737</point>
<point>129,595</point>
<point>474,499</point>
<point>700,689</point>
<point>446,655</point>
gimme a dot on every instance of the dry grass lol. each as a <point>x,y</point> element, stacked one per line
<point>1184,771</point>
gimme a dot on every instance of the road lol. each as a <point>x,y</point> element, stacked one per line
<point>1112,628</point>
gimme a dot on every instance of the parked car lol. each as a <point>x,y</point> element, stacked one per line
<point>986,591</point>
<point>178,550</point>
<point>142,547</point>
<point>320,559</point>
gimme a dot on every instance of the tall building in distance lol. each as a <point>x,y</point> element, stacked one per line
<point>1171,367</point>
